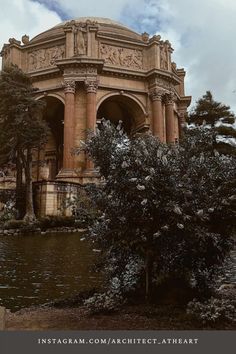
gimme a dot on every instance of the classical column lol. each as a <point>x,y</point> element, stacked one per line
<point>170,119</point>
<point>91,89</point>
<point>157,114</point>
<point>69,125</point>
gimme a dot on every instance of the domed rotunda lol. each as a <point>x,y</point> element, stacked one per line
<point>92,68</point>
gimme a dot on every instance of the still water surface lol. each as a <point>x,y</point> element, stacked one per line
<point>35,269</point>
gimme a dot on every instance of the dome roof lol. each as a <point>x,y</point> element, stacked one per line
<point>105,25</point>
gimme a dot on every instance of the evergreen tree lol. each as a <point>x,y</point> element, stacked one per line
<point>21,130</point>
<point>171,207</point>
<point>219,117</point>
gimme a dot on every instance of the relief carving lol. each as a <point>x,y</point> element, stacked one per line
<point>44,58</point>
<point>131,58</point>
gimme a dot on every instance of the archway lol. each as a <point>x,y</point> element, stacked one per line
<point>51,156</point>
<point>124,108</point>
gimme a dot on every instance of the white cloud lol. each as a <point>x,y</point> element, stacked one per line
<point>102,8</point>
<point>19,17</point>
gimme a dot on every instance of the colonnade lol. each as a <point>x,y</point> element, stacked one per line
<point>163,118</point>
<point>162,123</point>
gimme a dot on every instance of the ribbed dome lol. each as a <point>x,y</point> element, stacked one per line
<point>105,25</point>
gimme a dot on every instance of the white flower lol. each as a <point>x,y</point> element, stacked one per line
<point>180,226</point>
<point>124,164</point>
<point>133,179</point>
<point>200,212</point>
<point>165,227</point>
<point>164,160</point>
<point>157,234</point>
<point>177,210</point>
<point>140,187</point>
<point>144,202</point>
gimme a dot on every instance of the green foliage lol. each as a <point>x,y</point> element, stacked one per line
<point>83,206</point>
<point>14,224</point>
<point>8,212</point>
<point>20,122</point>
<point>172,207</point>
<point>21,129</point>
<point>219,117</point>
<point>213,310</point>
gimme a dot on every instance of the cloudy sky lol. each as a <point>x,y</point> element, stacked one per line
<point>202,32</point>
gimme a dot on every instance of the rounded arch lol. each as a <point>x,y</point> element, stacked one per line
<point>125,107</point>
<point>55,95</point>
<point>51,156</point>
<point>125,94</point>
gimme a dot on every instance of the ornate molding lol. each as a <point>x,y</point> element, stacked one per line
<point>91,86</point>
<point>156,94</point>
<point>69,86</point>
<point>169,98</point>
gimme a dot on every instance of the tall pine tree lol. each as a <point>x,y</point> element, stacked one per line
<point>21,131</point>
<point>219,117</point>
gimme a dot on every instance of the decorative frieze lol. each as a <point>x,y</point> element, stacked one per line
<point>45,57</point>
<point>125,57</point>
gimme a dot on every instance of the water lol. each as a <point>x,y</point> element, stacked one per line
<point>35,269</point>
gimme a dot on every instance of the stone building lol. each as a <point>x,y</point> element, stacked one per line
<point>90,68</point>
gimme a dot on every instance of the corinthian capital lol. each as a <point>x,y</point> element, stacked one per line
<point>91,86</point>
<point>156,94</point>
<point>169,98</point>
<point>69,86</point>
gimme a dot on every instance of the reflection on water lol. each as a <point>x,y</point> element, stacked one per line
<point>35,269</point>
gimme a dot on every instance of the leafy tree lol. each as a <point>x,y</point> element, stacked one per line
<point>218,116</point>
<point>171,207</point>
<point>21,130</point>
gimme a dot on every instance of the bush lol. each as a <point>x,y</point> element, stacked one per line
<point>8,212</point>
<point>14,224</point>
<point>49,222</point>
<point>212,310</point>
<point>172,206</point>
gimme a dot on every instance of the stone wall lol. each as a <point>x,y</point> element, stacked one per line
<point>51,197</point>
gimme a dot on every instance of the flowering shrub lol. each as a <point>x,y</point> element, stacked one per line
<point>212,310</point>
<point>104,302</point>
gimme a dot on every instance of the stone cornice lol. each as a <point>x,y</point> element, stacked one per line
<point>165,74</point>
<point>43,43</point>
<point>80,62</point>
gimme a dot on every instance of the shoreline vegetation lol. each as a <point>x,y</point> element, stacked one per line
<point>70,314</point>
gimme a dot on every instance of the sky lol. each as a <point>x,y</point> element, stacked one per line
<point>202,32</point>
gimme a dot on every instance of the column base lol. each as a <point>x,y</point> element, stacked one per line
<point>90,175</point>
<point>67,174</point>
